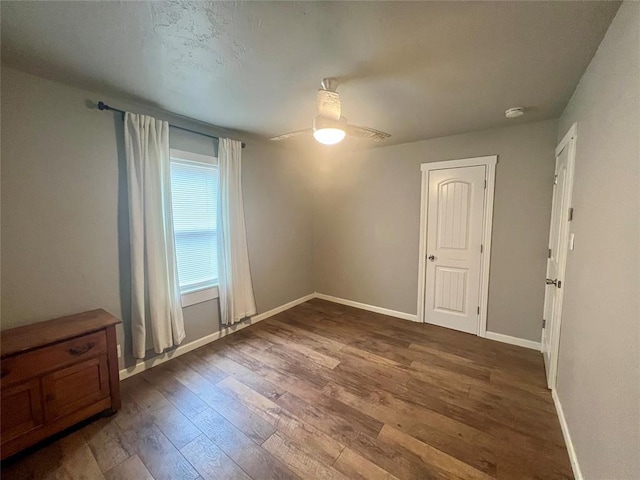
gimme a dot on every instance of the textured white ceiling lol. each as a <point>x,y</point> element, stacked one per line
<point>414,69</point>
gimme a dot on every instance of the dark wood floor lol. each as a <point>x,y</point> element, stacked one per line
<point>324,391</point>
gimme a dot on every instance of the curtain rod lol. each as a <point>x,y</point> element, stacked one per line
<point>104,106</point>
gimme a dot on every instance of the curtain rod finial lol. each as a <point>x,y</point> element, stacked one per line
<point>102,106</point>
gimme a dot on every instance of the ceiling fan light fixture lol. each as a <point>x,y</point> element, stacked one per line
<point>329,126</point>
<point>329,136</point>
<point>329,131</point>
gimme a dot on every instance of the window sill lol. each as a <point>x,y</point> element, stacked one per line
<point>198,296</point>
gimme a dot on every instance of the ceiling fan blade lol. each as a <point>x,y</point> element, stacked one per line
<point>368,133</point>
<point>284,136</point>
<point>328,104</point>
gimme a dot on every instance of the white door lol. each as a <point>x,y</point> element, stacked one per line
<point>558,247</point>
<point>455,215</point>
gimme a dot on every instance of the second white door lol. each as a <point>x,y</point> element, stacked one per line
<point>456,200</point>
<point>558,250</point>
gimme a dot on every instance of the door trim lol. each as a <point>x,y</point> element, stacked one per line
<point>568,141</point>
<point>487,225</point>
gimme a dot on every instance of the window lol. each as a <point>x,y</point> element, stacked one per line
<point>194,195</point>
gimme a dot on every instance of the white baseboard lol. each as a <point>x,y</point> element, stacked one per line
<point>371,308</point>
<point>521,342</point>
<point>187,347</point>
<point>577,473</point>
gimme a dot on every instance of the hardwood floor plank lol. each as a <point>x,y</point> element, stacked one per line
<point>212,397</point>
<point>533,385</point>
<point>369,379</point>
<point>448,385</point>
<point>434,461</point>
<point>445,375</point>
<point>211,462</point>
<point>308,354</point>
<point>452,437</point>
<point>130,412</point>
<point>69,458</point>
<point>252,458</point>
<point>324,328</point>
<point>306,436</point>
<point>299,324</point>
<point>107,443</point>
<point>145,396</point>
<point>174,425</point>
<point>159,455</point>
<point>197,361</point>
<point>251,399</point>
<point>290,378</point>
<point>389,350</point>
<point>508,398</point>
<point>131,468</point>
<point>78,460</point>
<point>349,417</point>
<point>331,423</point>
<point>321,415</point>
<point>165,378</point>
<point>511,469</point>
<point>288,357</point>
<point>251,424</point>
<point>427,351</point>
<point>364,357</point>
<point>283,325</point>
<point>357,467</point>
<point>306,466</point>
<point>236,370</point>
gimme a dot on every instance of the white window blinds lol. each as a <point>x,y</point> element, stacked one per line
<point>194,193</point>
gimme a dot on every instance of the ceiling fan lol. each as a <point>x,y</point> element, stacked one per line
<point>330,127</point>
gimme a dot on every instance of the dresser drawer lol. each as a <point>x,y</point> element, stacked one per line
<point>37,362</point>
<point>21,409</point>
<point>75,387</point>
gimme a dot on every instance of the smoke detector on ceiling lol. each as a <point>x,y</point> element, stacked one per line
<point>514,112</point>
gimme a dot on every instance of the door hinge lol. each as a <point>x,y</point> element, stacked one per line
<point>481,248</point>
<point>478,310</point>
<point>549,254</point>
<point>571,214</point>
<point>544,323</point>
<point>555,179</point>
<point>485,184</point>
<point>559,284</point>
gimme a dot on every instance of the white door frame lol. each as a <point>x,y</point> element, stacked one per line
<point>569,141</point>
<point>487,224</point>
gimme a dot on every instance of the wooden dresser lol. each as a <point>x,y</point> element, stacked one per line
<point>55,374</point>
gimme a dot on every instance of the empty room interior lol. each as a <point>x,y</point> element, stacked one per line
<point>320,240</point>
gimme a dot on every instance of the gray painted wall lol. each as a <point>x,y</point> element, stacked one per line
<point>64,224</point>
<point>599,367</point>
<point>367,222</point>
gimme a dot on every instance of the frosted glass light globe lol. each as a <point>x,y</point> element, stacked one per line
<point>329,136</point>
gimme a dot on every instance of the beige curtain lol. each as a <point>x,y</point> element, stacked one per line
<point>154,278</point>
<point>235,286</point>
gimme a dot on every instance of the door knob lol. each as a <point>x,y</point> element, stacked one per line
<point>548,281</point>
<point>432,258</point>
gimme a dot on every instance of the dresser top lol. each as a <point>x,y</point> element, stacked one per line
<point>28,337</point>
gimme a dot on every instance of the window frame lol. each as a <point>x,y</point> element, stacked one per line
<point>206,293</point>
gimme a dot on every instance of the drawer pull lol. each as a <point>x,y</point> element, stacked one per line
<point>82,349</point>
